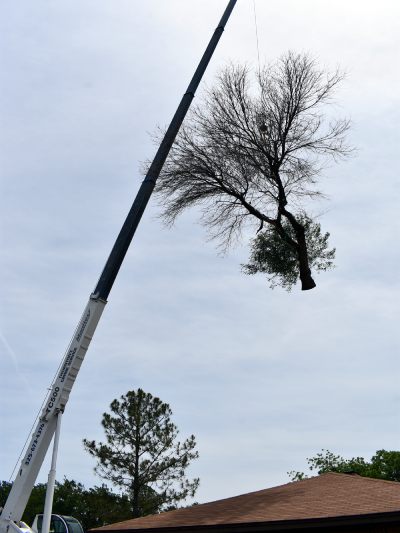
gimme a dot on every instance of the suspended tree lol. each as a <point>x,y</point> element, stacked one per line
<point>251,154</point>
<point>141,454</point>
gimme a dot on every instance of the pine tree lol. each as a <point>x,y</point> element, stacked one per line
<point>141,455</point>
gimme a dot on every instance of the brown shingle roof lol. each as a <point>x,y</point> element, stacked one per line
<point>327,496</point>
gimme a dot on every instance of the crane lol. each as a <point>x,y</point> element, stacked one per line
<point>50,418</point>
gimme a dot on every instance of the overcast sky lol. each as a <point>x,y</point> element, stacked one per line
<point>262,378</point>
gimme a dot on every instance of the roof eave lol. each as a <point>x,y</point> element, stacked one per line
<point>317,524</point>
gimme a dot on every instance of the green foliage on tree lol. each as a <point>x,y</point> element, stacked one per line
<point>383,465</point>
<point>5,488</point>
<point>272,255</point>
<point>141,454</point>
<point>95,507</point>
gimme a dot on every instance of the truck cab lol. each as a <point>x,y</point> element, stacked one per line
<point>58,524</point>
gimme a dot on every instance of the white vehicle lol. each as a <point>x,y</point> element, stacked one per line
<point>50,418</point>
<point>58,524</point>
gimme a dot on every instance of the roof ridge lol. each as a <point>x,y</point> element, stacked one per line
<point>308,479</point>
<point>356,476</point>
<point>248,493</point>
<point>237,496</point>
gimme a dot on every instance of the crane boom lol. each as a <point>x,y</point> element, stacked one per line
<point>76,352</point>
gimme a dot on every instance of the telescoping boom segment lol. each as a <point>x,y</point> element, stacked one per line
<point>76,352</point>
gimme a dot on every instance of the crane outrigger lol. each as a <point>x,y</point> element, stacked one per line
<point>50,419</point>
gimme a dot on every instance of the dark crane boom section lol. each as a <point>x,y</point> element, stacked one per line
<point>131,223</point>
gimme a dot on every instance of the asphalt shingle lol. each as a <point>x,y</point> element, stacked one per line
<point>326,496</point>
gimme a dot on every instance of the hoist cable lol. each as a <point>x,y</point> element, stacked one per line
<point>258,49</point>
<point>41,407</point>
<point>27,438</point>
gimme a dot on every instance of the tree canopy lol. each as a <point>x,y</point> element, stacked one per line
<point>251,154</point>
<point>383,465</point>
<point>141,454</point>
<point>95,507</point>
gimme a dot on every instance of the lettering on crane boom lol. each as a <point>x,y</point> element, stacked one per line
<point>34,443</point>
<point>78,337</point>
<point>67,365</point>
<point>70,357</point>
<point>53,397</point>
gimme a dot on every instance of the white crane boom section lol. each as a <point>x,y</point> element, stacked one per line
<point>57,400</point>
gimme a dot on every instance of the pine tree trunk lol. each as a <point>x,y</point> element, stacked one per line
<point>135,505</point>
<point>135,487</point>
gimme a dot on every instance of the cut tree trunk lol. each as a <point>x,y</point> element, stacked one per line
<point>307,282</point>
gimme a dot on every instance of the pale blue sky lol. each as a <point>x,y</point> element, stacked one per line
<point>263,378</point>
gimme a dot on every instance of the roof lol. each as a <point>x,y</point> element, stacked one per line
<point>329,496</point>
